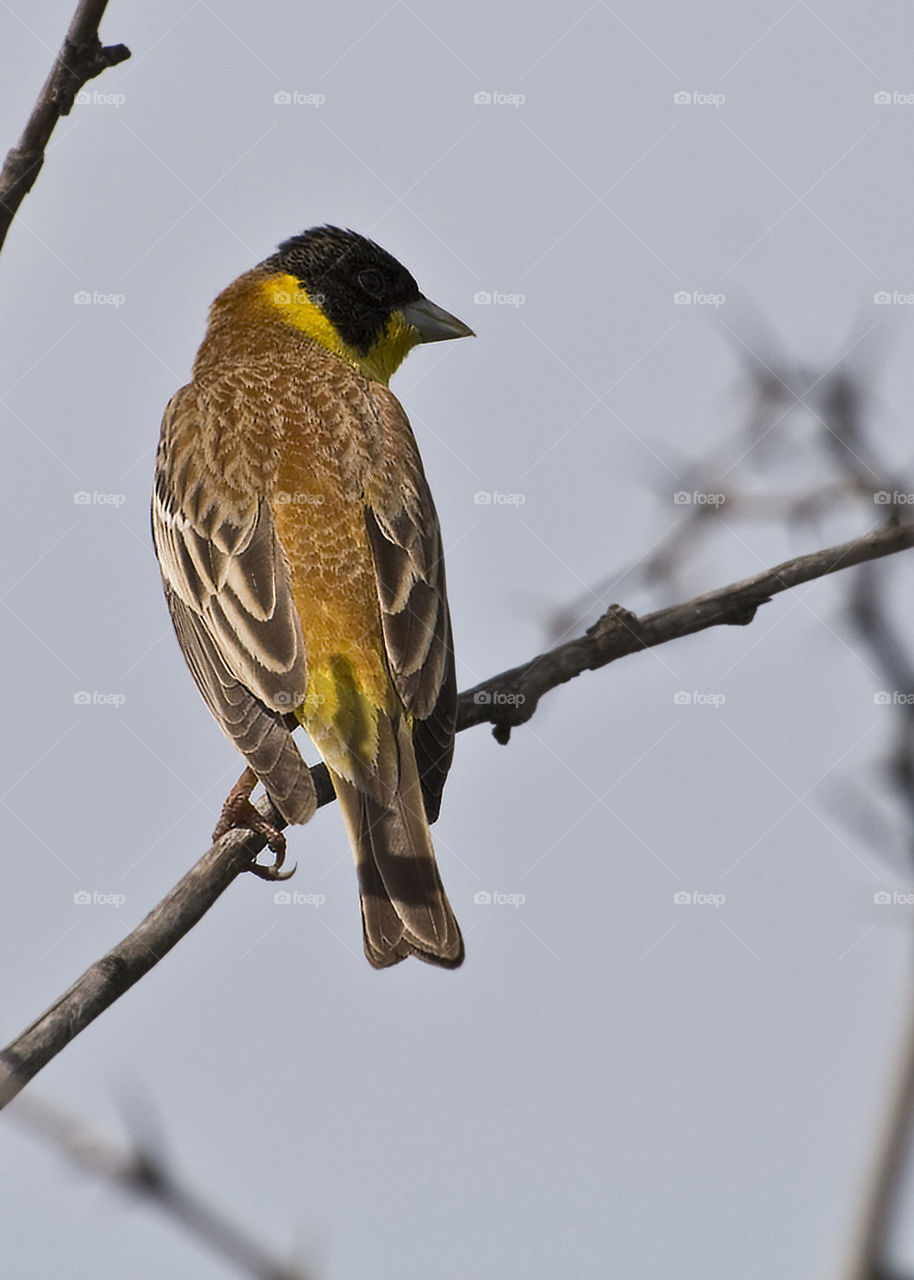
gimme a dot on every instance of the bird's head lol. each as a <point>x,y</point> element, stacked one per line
<point>354,298</point>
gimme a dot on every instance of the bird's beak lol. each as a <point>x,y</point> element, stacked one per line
<point>433,323</point>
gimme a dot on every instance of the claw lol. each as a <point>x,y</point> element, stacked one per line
<point>239,814</point>
<point>272,870</point>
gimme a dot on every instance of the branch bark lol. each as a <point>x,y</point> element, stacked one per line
<point>82,57</point>
<point>504,701</point>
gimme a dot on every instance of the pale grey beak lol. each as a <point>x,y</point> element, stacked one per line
<point>433,323</point>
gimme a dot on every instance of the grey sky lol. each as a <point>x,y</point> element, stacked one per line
<point>612,1084</point>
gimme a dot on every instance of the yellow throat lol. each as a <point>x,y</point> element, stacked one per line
<point>298,308</point>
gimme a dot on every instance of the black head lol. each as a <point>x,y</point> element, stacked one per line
<point>355,282</point>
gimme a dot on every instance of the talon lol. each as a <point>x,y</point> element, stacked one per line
<point>239,814</point>
<point>272,870</point>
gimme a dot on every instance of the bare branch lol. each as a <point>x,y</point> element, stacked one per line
<point>867,1260</point>
<point>506,700</point>
<point>82,56</point>
<point>141,1172</point>
<point>511,698</point>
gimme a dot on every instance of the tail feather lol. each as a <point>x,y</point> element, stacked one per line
<point>405,910</point>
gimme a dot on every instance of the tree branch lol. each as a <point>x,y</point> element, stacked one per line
<point>506,700</point>
<point>140,1171</point>
<point>511,698</point>
<point>82,56</point>
<point>867,1259</point>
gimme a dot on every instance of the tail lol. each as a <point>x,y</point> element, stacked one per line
<point>405,911</point>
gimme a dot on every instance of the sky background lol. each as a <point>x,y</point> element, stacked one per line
<point>614,1082</point>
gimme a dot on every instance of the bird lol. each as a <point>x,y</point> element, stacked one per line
<point>301,558</point>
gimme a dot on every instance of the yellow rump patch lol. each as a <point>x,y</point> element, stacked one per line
<point>337,713</point>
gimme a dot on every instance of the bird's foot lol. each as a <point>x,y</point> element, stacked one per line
<point>239,814</point>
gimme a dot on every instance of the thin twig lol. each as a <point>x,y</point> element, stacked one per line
<point>505,700</point>
<point>867,1260</point>
<point>141,1172</point>
<point>82,56</point>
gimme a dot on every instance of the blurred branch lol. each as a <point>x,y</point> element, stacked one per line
<point>141,1172</point>
<point>870,610</point>
<point>82,57</point>
<point>867,1260</point>
<point>506,700</point>
<point>673,549</point>
<point>511,698</point>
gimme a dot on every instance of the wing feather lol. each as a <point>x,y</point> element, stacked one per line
<point>405,541</point>
<point>228,590</point>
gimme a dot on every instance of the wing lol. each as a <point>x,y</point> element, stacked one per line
<point>405,542</point>
<point>227,587</point>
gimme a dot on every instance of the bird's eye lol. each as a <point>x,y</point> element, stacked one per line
<point>371,281</point>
